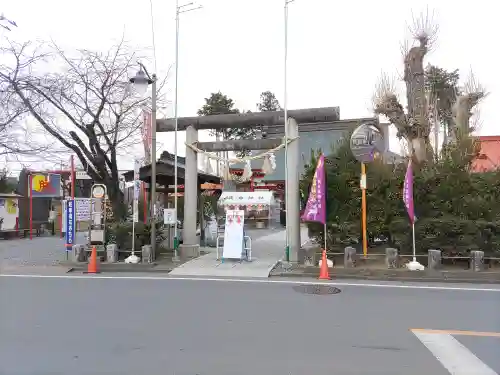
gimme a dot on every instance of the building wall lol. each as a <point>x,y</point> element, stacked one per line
<point>489,154</point>
<point>322,136</point>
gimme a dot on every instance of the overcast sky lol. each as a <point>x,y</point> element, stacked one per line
<point>337,50</point>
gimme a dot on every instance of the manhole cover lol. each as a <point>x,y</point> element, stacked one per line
<point>316,289</point>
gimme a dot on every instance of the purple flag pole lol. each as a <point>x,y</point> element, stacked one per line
<point>316,203</point>
<point>408,200</point>
<point>408,192</point>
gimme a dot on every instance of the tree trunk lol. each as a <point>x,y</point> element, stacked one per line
<point>420,149</point>
<point>417,103</point>
<point>116,198</point>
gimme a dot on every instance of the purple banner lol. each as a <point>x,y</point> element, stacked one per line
<point>408,192</point>
<point>316,204</point>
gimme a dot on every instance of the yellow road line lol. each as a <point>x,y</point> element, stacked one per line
<point>457,332</point>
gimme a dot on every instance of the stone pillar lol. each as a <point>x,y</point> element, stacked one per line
<point>434,259</point>
<point>477,261</point>
<point>146,254</point>
<point>307,255</point>
<point>78,253</point>
<point>190,247</point>
<point>292,191</point>
<point>111,253</point>
<point>391,258</point>
<point>350,257</point>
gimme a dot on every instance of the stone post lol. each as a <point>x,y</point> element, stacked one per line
<point>434,259</point>
<point>307,255</point>
<point>350,257</point>
<point>292,191</point>
<point>391,258</point>
<point>112,253</point>
<point>78,253</point>
<point>146,254</point>
<point>190,247</point>
<point>477,261</point>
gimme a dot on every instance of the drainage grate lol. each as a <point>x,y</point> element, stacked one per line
<point>316,289</point>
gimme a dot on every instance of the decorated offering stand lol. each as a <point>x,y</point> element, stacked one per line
<point>257,206</point>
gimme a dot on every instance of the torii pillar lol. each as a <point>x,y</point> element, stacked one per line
<point>190,246</point>
<point>292,191</point>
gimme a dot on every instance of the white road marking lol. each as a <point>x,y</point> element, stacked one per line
<point>256,281</point>
<point>455,357</point>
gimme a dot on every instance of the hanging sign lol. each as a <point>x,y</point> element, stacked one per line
<point>46,185</point>
<point>82,175</point>
<point>245,198</point>
<point>70,224</point>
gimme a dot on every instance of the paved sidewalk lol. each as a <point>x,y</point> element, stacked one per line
<point>41,252</point>
<point>267,250</point>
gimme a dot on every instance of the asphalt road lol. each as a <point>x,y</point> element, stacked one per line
<point>184,327</point>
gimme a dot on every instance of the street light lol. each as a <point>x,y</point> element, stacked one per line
<point>141,81</point>
<point>285,112</point>
<point>178,10</point>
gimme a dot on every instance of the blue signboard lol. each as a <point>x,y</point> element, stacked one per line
<point>70,224</point>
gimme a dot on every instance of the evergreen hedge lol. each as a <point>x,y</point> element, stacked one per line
<point>457,210</point>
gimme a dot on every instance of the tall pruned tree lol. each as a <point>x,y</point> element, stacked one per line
<point>414,125</point>
<point>268,102</point>
<point>84,103</point>
<point>219,104</point>
<point>442,89</point>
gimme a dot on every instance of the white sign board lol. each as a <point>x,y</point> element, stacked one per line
<point>233,235</point>
<point>82,175</point>
<point>82,208</point>
<point>245,198</point>
<point>169,216</point>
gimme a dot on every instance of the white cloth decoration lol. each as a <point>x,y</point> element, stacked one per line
<point>226,175</point>
<point>266,166</point>
<point>208,165</point>
<point>247,171</point>
<point>272,159</point>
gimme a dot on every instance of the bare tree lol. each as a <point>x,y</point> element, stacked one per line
<point>416,123</point>
<point>16,137</point>
<point>86,105</point>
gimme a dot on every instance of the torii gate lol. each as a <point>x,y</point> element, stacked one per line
<point>191,125</point>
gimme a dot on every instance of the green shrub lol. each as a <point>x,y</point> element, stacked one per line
<point>447,233</point>
<point>456,210</point>
<point>121,234</point>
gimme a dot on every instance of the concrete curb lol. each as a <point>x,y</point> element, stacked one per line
<point>143,268</point>
<point>402,278</point>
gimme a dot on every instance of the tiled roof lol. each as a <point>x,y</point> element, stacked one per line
<point>168,157</point>
<point>489,157</point>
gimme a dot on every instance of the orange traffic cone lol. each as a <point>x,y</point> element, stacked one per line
<point>323,271</point>
<point>93,266</point>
